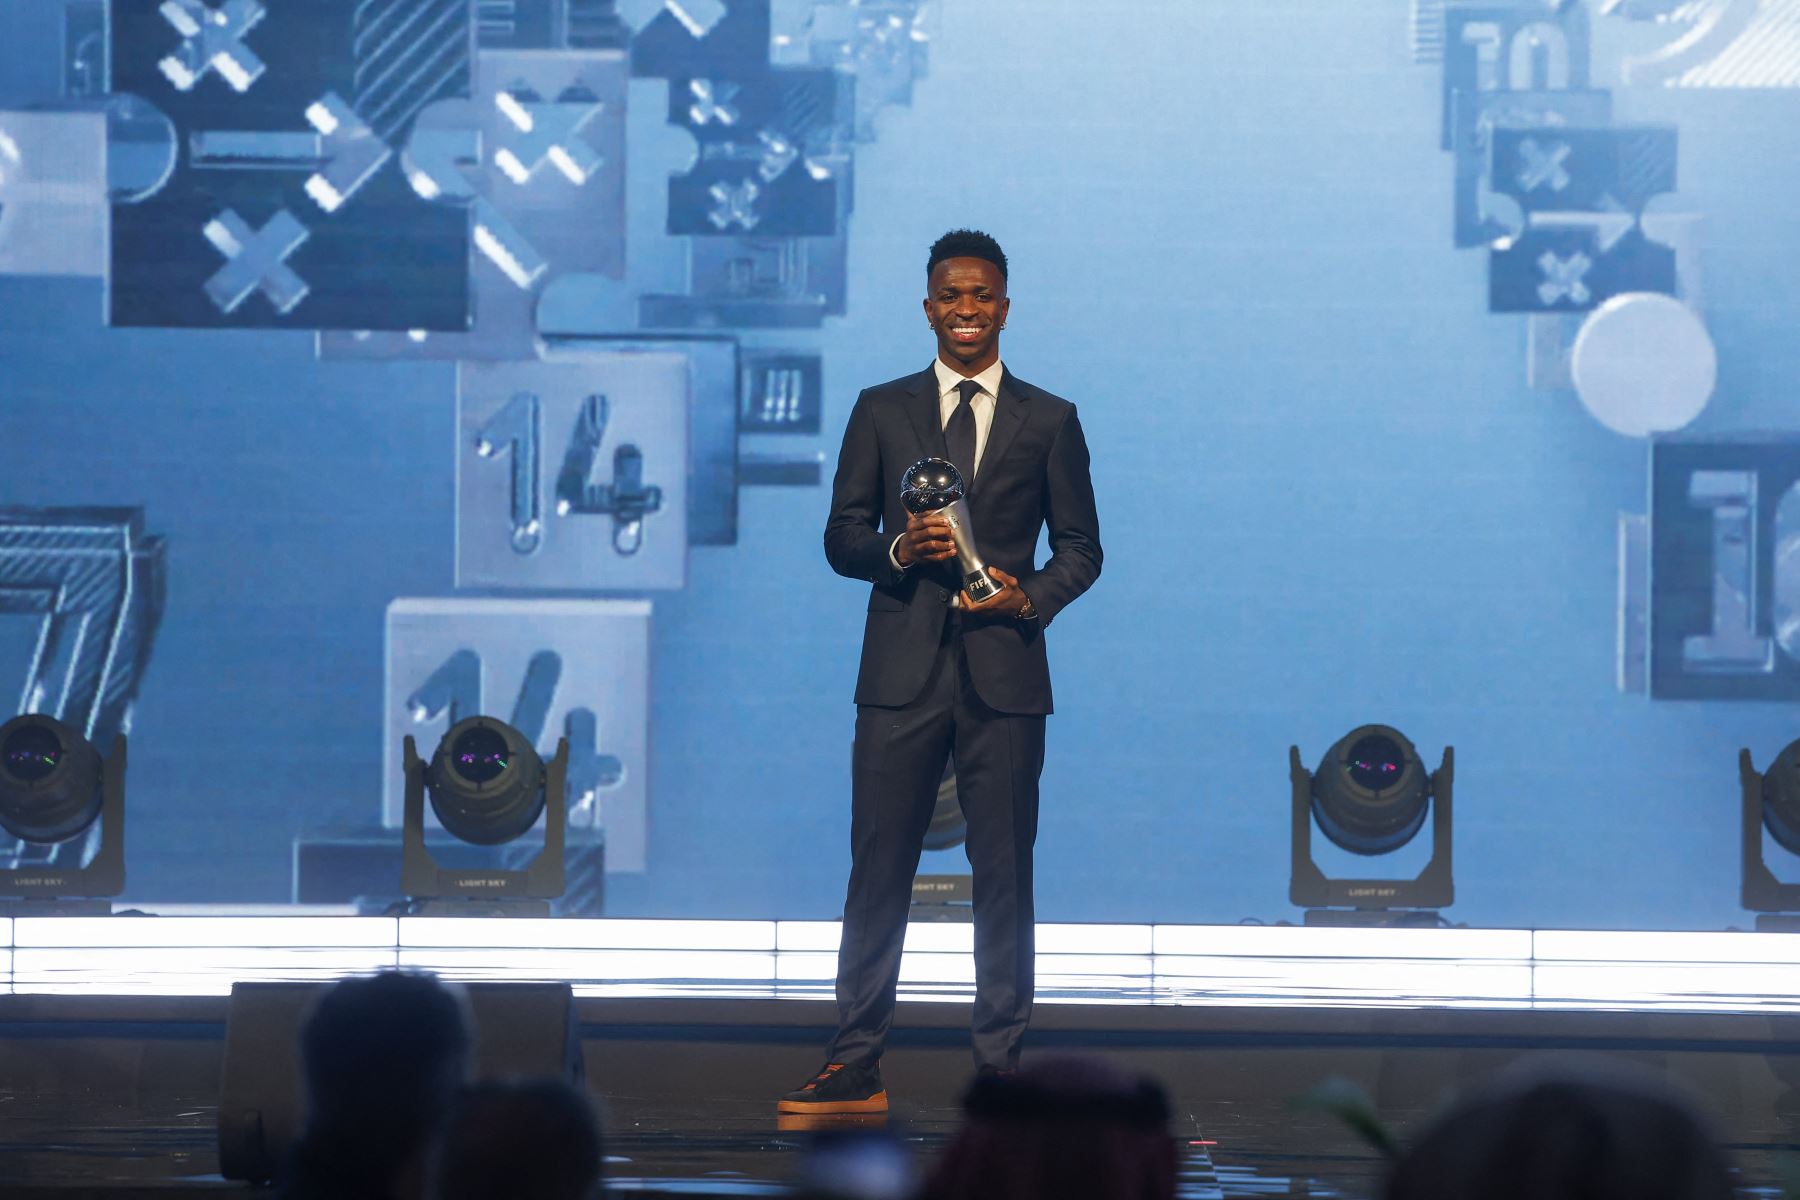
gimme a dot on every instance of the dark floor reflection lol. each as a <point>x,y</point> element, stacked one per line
<point>741,1149</point>
<point>735,1147</point>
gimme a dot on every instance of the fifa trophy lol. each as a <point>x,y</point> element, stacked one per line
<point>935,485</point>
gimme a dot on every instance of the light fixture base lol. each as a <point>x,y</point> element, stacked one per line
<point>1374,918</point>
<point>473,906</point>
<point>49,906</point>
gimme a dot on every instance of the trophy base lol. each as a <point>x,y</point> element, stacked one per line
<point>980,585</point>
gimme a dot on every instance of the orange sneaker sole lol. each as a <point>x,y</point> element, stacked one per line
<point>878,1103</point>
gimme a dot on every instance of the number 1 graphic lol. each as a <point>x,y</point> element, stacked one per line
<point>515,430</point>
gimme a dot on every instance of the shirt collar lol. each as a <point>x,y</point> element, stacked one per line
<point>948,379</point>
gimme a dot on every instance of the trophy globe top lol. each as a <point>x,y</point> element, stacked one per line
<point>930,484</point>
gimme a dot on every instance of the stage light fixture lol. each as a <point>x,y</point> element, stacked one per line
<point>488,787</point>
<point>1370,796</point>
<point>486,782</point>
<point>1771,801</point>
<point>53,787</point>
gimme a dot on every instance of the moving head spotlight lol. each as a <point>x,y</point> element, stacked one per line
<point>486,782</point>
<point>488,787</point>
<point>49,780</point>
<point>1771,801</point>
<point>53,787</point>
<point>1370,795</point>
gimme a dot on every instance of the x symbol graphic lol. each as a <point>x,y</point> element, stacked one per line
<point>1564,277</point>
<point>734,205</point>
<point>712,102</point>
<point>255,261</point>
<point>212,40</point>
<point>543,133</point>
<point>1543,166</point>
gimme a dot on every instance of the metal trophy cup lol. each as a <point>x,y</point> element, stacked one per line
<point>935,485</point>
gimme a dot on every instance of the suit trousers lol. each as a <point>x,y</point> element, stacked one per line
<point>896,765</point>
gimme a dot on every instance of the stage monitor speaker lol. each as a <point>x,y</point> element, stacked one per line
<point>520,1029</point>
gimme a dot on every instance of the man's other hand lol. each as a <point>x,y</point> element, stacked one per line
<point>1008,602</point>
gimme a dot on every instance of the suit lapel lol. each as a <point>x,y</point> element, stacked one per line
<point>922,409</point>
<point>1009,418</point>
<point>927,419</point>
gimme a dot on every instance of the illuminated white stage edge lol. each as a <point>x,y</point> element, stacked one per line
<point>1168,965</point>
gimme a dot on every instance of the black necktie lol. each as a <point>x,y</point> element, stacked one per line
<point>959,432</point>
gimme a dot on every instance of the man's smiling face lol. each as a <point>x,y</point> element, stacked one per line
<point>966,304</point>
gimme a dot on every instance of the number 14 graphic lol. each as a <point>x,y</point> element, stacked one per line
<point>517,430</point>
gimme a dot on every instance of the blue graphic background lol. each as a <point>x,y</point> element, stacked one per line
<point>1328,496</point>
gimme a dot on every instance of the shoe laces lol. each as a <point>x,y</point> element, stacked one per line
<point>829,1070</point>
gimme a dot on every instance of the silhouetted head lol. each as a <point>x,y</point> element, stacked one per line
<point>528,1139</point>
<point>383,1057</point>
<point>1555,1131</point>
<point>1062,1129</point>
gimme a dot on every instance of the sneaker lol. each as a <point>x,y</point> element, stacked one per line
<point>838,1088</point>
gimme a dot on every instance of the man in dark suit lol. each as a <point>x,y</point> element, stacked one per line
<point>944,676</point>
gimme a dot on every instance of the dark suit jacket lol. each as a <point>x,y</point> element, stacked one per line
<point>1033,472</point>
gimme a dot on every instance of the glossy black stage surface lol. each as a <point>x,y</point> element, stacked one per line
<point>117,1096</point>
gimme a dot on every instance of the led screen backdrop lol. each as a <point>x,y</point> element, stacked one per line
<point>364,365</point>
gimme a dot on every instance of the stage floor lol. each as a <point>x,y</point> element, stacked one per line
<point>112,1029</point>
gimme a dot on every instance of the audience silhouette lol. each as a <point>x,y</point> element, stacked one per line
<point>391,1116</point>
<point>1556,1131</point>
<point>526,1139</point>
<point>382,1057</point>
<point>1060,1129</point>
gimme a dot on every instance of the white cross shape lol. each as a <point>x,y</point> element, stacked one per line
<point>212,40</point>
<point>256,261</point>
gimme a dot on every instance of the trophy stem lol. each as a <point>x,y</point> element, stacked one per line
<point>976,581</point>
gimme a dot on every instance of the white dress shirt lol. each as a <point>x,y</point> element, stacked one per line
<point>982,406</point>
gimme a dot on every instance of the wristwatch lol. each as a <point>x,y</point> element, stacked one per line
<point>1029,612</point>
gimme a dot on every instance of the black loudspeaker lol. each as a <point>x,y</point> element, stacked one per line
<point>520,1029</point>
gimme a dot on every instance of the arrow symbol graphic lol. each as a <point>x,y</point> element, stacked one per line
<point>342,153</point>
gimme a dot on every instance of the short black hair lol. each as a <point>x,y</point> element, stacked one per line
<point>966,243</point>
